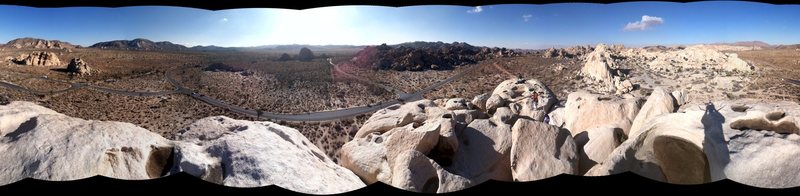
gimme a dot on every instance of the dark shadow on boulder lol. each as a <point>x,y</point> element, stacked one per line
<point>681,161</point>
<point>160,161</point>
<point>23,128</point>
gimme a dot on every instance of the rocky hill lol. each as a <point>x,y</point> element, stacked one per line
<point>35,43</point>
<point>419,56</point>
<point>138,44</point>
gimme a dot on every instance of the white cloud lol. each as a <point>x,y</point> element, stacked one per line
<point>224,20</point>
<point>645,23</point>
<point>526,17</point>
<point>477,9</point>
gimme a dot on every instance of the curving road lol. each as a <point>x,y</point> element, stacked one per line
<point>313,116</point>
<point>790,81</point>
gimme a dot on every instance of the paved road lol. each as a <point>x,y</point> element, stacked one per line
<point>313,116</point>
<point>790,81</point>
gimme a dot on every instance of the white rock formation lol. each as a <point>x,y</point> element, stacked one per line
<point>696,57</point>
<point>39,143</point>
<point>253,154</point>
<point>600,68</point>
<point>38,59</point>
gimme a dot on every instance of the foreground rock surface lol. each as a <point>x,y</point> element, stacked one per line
<point>699,145</point>
<point>251,154</point>
<point>42,144</point>
<point>541,151</point>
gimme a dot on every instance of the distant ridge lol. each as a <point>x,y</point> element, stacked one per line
<point>138,44</point>
<point>36,43</point>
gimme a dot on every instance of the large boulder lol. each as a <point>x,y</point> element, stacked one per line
<point>658,103</point>
<point>585,110</point>
<point>456,104</point>
<point>254,154</point>
<point>527,98</point>
<point>38,59</point>
<point>540,151</point>
<point>78,66</point>
<point>479,101</point>
<point>42,144</point>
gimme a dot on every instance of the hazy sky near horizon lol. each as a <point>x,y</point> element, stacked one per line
<point>512,26</point>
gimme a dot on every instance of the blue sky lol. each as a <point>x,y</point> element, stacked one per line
<point>512,26</point>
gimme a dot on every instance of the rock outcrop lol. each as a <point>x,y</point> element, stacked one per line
<point>567,53</point>
<point>423,146</point>
<point>686,59</point>
<point>600,68</point>
<point>34,43</point>
<point>419,56</point>
<point>38,59</point>
<point>78,66</point>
